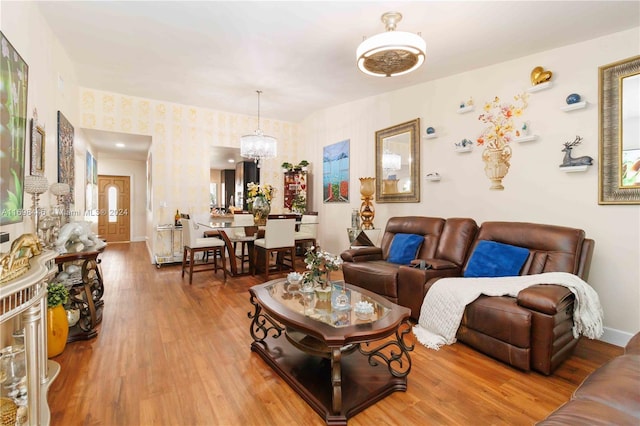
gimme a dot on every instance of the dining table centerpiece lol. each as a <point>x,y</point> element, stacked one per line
<point>320,263</point>
<point>497,136</point>
<point>259,201</point>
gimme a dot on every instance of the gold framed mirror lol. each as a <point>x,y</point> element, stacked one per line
<point>398,163</point>
<point>619,165</point>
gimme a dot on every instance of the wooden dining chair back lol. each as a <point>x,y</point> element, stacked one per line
<point>278,239</point>
<point>201,253</point>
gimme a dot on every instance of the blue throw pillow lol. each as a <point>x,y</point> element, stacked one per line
<point>493,259</point>
<point>404,248</point>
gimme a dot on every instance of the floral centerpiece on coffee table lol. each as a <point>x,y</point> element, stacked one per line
<point>319,264</point>
<point>497,135</point>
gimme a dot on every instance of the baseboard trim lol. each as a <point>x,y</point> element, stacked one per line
<point>138,239</point>
<point>616,337</point>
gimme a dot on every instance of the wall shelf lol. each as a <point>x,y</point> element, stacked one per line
<point>539,87</point>
<point>572,107</point>
<point>430,136</point>
<point>465,149</point>
<point>433,177</point>
<point>572,169</point>
<point>464,110</point>
<point>527,138</point>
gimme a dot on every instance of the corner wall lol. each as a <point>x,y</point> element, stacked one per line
<point>536,190</point>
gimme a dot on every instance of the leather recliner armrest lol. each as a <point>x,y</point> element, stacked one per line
<point>436,264</point>
<point>545,298</point>
<point>364,254</point>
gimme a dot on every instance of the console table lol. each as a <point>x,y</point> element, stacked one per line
<point>23,304</point>
<point>86,292</point>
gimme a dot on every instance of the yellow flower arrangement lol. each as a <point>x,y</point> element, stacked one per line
<point>500,117</point>
<point>253,190</point>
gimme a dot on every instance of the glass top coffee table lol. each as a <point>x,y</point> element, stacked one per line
<point>338,360</point>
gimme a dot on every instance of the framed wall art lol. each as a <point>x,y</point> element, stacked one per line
<point>37,146</point>
<point>66,165</point>
<point>14,76</point>
<point>91,183</point>
<point>335,172</point>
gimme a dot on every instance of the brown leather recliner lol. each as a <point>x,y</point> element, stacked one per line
<point>445,245</point>
<point>534,330</point>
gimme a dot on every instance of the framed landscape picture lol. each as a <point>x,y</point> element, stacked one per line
<point>14,76</point>
<point>335,172</point>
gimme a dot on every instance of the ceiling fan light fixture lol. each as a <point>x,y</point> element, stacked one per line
<point>258,146</point>
<point>391,53</point>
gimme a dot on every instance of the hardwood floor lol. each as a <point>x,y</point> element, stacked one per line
<point>170,353</point>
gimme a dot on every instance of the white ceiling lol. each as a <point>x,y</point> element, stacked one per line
<point>216,54</point>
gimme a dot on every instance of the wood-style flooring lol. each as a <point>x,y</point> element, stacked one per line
<point>170,353</point>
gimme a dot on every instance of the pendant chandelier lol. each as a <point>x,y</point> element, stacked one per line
<point>391,53</point>
<point>258,146</point>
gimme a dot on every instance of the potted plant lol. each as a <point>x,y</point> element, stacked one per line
<point>57,323</point>
<point>286,166</point>
<point>303,165</point>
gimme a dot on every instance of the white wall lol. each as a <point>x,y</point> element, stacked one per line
<point>536,190</point>
<point>52,87</point>
<point>137,172</point>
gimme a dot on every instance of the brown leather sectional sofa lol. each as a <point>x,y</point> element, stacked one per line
<point>532,331</point>
<point>608,396</point>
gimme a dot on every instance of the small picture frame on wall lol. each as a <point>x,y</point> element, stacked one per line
<point>38,139</point>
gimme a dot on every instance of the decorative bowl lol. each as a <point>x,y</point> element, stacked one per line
<point>363,310</point>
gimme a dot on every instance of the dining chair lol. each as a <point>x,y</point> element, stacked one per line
<point>242,223</point>
<point>279,239</point>
<point>194,245</point>
<point>308,231</point>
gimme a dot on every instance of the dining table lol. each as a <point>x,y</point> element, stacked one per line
<point>224,230</point>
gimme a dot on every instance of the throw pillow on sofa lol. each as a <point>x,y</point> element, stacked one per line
<point>493,259</point>
<point>404,248</point>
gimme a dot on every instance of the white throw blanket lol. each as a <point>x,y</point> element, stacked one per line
<point>444,304</point>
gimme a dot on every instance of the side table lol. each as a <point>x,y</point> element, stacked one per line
<point>85,293</point>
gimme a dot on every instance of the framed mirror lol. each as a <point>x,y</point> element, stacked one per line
<point>619,180</point>
<point>398,163</point>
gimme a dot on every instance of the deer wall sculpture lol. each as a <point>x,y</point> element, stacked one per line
<point>569,161</point>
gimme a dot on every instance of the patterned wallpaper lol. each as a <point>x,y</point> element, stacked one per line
<point>181,137</point>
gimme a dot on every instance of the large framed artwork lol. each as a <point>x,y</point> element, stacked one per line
<point>335,172</point>
<point>66,167</point>
<point>14,72</point>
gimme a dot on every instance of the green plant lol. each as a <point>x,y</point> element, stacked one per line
<point>303,163</point>
<point>299,204</point>
<point>286,166</point>
<point>57,294</point>
<point>319,263</point>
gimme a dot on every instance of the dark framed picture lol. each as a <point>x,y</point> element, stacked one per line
<point>14,74</point>
<point>66,157</point>
<point>37,147</point>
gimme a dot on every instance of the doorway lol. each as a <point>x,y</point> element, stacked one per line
<point>114,220</point>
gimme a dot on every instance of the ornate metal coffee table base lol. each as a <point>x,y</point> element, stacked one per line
<point>361,384</point>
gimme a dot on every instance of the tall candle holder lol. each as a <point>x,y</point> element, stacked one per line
<point>36,185</point>
<point>58,212</point>
<point>367,212</point>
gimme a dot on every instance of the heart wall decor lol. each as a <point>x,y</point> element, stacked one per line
<point>539,75</point>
